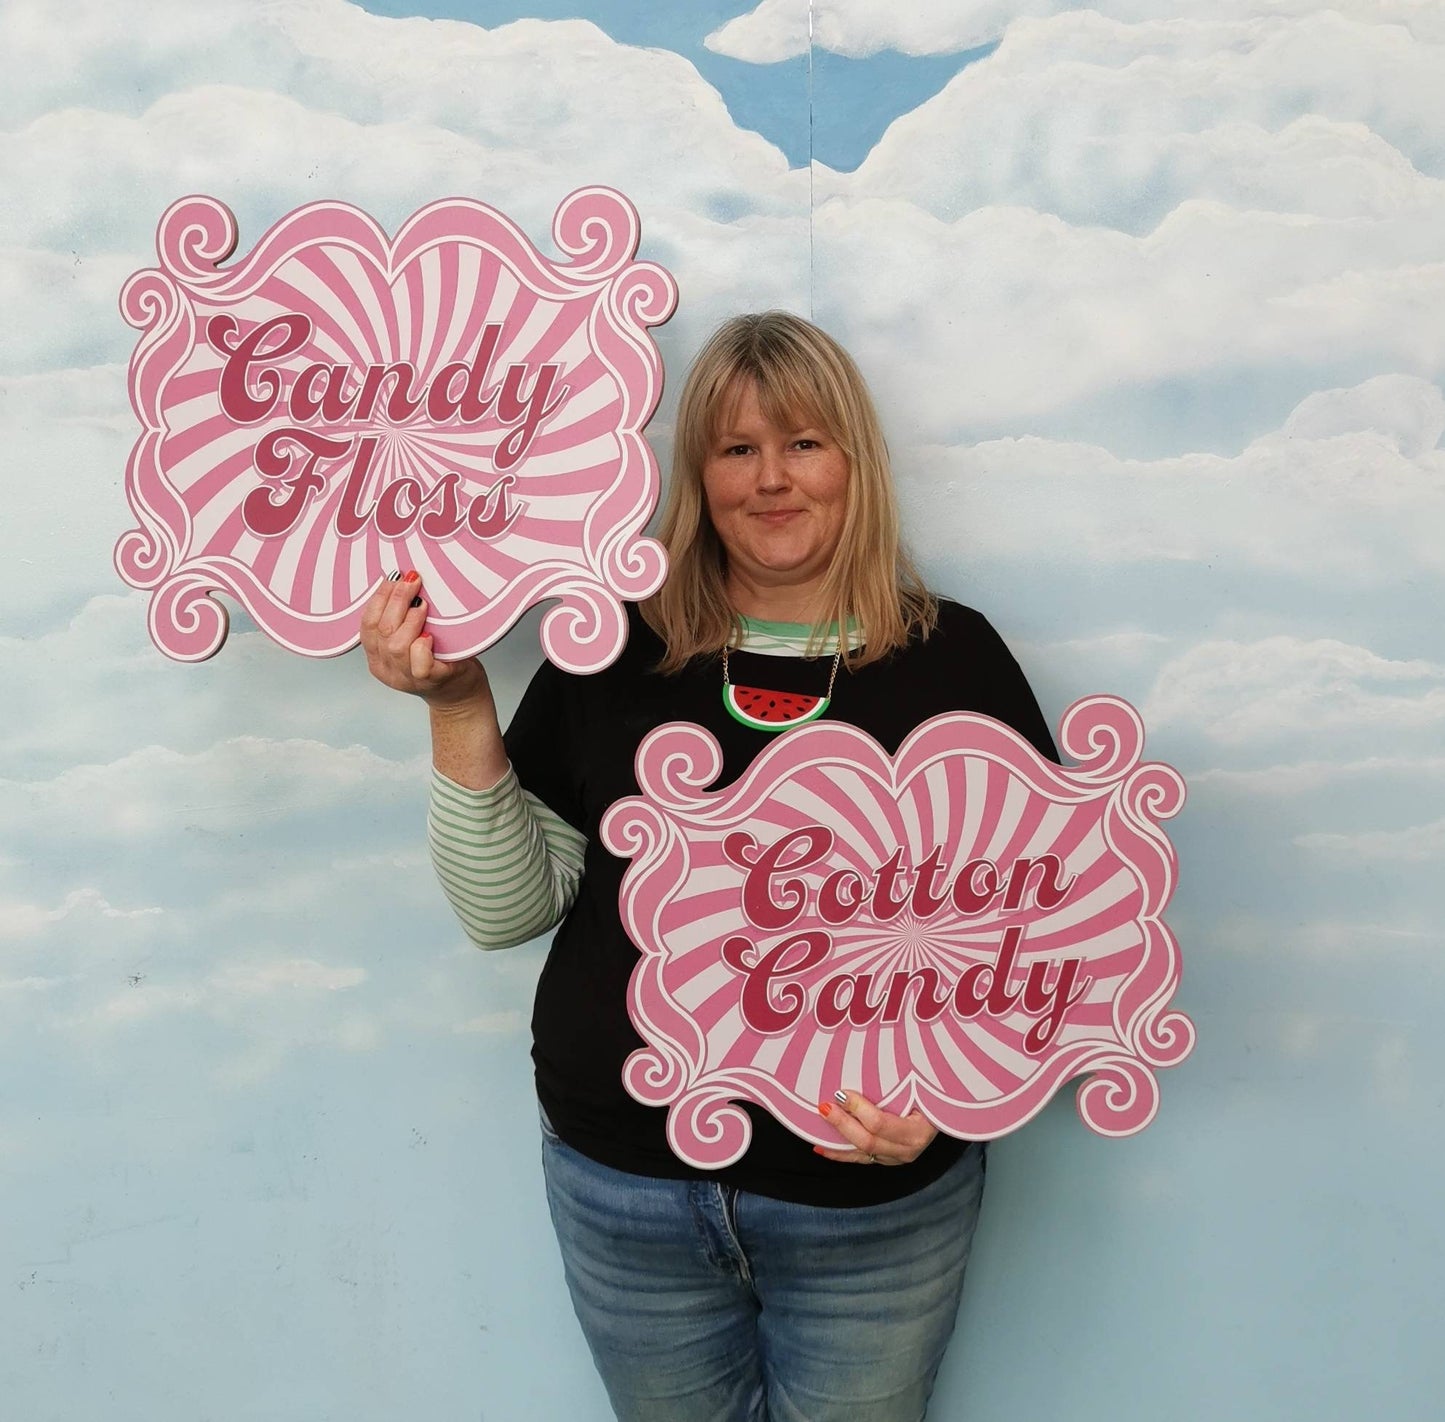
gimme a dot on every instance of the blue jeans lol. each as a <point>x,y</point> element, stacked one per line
<point>702,1303</point>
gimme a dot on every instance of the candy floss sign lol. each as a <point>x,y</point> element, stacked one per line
<point>339,405</point>
<point>960,928</point>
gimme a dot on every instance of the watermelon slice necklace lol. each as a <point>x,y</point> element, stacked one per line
<point>774,710</point>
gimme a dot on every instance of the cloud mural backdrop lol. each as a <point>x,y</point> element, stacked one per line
<point>1155,310</point>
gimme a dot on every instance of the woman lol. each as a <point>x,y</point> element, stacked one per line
<point>800,1283</point>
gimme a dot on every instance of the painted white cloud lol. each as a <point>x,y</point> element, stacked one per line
<point>1363,940</point>
<point>1311,776</point>
<point>782,29</point>
<point>63,306</point>
<point>1005,316</point>
<point>310,99</point>
<point>1299,693</point>
<point>314,884</point>
<point>238,962</point>
<point>1350,492</point>
<point>1352,836</point>
<point>1101,214</point>
<point>275,1003</point>
<point>559,92</point>
<point>136,1005</point>
<point>241,782</point>
<point>1111,123</point>
<point>20,919</point>
<point>228,893</point>
<point>1092,159</point>
<point>521,113</point>
<point>261,979</point>
<point>225,825</point>
<point>1123,661</point>
<point>509,1023</point>
<point>264,152</point>
<point>1409,412</point>
<point>98,178</point>
<point>777,30</point>
<point>47,59</point>
<point>1416,844</point>
<point>251,690</point>
<point>66,437</point>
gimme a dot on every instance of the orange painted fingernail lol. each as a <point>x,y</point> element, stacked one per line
<point>825,1107</point>
<point>412,577</point>
<point>818,1150</point>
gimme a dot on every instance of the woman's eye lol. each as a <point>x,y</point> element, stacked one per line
<point>737,449</point>
<point>806,443</point>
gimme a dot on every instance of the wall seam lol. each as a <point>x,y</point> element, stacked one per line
<point>811,203</point>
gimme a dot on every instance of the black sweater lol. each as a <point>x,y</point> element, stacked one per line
<point>572,744</point>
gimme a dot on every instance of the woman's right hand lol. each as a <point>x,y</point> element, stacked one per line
<point>399,650</point>
<point>466,741</point>
<point>467,744</point>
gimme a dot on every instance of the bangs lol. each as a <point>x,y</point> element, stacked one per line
<point>786,397</point>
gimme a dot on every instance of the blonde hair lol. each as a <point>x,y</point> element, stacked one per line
<point>802,375</point>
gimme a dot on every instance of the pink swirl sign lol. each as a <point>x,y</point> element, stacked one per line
<point>339,405</point>
<point>960,928</point>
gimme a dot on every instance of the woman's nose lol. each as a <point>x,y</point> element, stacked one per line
<point>772,470</point>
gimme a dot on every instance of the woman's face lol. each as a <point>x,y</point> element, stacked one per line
<point>776,497</point>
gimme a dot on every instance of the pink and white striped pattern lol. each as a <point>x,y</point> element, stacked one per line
<point>961,781</point>
<point>583,492</point>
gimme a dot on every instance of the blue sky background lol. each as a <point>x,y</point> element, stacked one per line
<point>1153,307</point>
<point>820,106</point>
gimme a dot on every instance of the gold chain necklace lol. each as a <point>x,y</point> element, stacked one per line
<point>762,710</point>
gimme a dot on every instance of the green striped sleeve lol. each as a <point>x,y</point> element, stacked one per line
<point>508,866</point>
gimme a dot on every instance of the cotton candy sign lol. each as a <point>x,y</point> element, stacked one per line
<point>339,405</point>
<point>961,928</point>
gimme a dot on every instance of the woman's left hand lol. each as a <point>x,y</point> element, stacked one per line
<point>877,1137</point>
